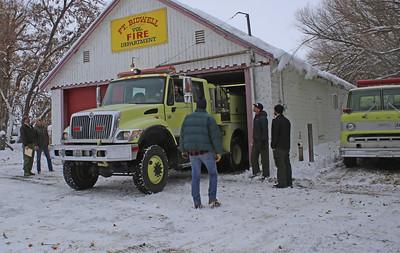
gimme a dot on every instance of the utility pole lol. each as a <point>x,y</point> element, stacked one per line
<point>248,20</point>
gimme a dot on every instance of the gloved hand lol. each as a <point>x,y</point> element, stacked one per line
<point>218,157</point>
<point>185,155</point>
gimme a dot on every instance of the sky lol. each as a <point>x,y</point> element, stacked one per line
<point>273,21</point>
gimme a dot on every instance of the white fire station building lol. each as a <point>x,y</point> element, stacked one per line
<point>156,33</point>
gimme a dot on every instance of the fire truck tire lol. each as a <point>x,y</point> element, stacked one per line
<point>350,162</point>
<point>79,176</point>
<point>151,173</point>
<point>237,159</point>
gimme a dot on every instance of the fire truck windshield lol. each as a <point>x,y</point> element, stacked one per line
<point>147,90</point>
<point>374,99</point>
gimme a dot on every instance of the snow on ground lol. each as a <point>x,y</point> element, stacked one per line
<point>330,209</point>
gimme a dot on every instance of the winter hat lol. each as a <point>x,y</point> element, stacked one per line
<point>259,106</point>
<point>201,103</point>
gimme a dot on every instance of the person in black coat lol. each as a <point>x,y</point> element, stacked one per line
<point>280,144</point>
<point>27,136</point>
<point>260,142</point>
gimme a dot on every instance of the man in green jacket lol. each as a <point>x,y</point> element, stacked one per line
<point>27,136</point>
<point>200,138</point>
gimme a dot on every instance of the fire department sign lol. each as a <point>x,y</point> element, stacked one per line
<point>142,30</point>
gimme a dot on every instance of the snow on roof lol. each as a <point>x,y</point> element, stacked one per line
<point>285,59</point>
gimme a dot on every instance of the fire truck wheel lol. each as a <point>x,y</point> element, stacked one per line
<point>238,156</point>
<point>79,176</point>
<point>150,175</point>
<point>350,161</point>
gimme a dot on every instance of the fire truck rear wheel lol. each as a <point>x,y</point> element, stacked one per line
<point>151,174</point>
<point>238,156</point>
<point>350,162</point>
<point>79,176</point>
<point>237,159</point>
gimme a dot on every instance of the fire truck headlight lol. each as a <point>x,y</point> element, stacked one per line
<point>352,139</point>
<point>129,135</point>
<point>123,135</point>
<point>351,126</point>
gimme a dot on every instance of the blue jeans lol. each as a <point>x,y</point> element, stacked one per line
<point>39,151</point>
<point>209,161</point>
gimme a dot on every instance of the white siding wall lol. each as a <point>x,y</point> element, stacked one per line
<point>263,94</point>
<point>263,89</point>
<point>104,64</point>
<point>57,119</point>
<point>309,102</point>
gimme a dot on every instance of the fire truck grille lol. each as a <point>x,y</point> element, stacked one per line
<point>96,127</point>
<point>374,137</point>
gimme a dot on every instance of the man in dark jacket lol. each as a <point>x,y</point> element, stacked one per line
<point>27,136</point>
<point>200,138</point>
<point>280,145</point>
<point>260,142</point>
<point>42,144</point>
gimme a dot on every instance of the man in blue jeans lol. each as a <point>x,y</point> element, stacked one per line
<point>200,138</point>
<point>42,144</point>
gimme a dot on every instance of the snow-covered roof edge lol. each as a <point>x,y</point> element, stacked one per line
<point>284,58</point>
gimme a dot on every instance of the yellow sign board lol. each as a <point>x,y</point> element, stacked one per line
<point>142,30</point>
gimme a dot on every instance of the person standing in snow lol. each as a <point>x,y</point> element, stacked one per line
<point>42,145</point>
<point>27,136</point>
<point>260,142</point>
<point>200,138</point>
<point>280,145</point>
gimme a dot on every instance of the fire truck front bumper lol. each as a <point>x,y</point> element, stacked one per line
<point>95,153</point>
<point>370,152</point>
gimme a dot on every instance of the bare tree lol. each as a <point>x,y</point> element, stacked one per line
<point>12,25</point>
<point>39,32</point>
<point>55,26</point>
<point>354,39</point>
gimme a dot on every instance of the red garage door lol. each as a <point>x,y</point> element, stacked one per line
<point>79,99</point>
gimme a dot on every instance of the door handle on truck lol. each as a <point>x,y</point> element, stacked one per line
<point>173,109</point>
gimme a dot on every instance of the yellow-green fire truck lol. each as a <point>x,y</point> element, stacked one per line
<point>135,131</point>
<point>370,124</point>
